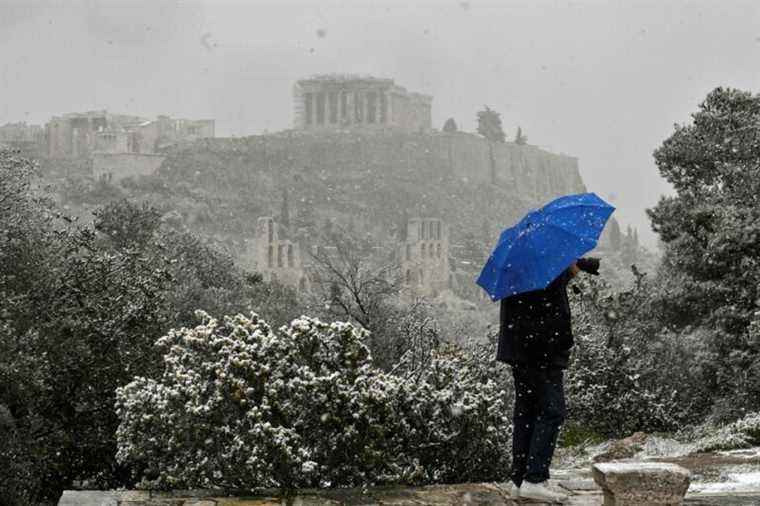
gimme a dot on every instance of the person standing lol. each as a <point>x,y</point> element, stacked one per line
<point>535,339</point>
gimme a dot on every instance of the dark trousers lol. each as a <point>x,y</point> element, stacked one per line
<point>538,416</point>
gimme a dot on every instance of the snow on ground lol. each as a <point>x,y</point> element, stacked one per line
<point>656,446</point>
<point>746,453</point>
<point>734,482</point>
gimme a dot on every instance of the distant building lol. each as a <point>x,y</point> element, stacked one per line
<point>118,145</point>
<point>275,257</point>
<point>424,257</point>
<point>349,101</point>
<point>78,135</point>
<point>15,133</point>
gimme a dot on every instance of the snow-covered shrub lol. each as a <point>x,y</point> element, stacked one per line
<point>240,407</point>
<point>458,418</point>
<point>743,433</point>
<point>605,392</point>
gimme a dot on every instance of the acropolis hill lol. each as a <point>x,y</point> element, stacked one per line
<point>372,172</point>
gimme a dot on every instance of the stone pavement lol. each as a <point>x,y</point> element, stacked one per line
<point>582,491</point>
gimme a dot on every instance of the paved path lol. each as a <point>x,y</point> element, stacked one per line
<point>583,492</point>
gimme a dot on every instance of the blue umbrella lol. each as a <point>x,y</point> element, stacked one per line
<point>545,242</point>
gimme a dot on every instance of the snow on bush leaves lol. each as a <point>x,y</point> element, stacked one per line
<point>240,406</point>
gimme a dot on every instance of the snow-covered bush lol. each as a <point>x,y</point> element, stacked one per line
<point>605,392</point>
<point>743,433</point>
<point>240,406</point>
<point>458,417</point>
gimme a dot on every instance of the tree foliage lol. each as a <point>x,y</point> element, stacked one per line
<point>489,125</point>
<point>450,126</point>
<point>710,230</point>
<point>81,309</point>
<point>357,281</point>
<point>520,137</point>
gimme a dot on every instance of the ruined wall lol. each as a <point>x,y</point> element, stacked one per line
<point>275,257</point>
<point>424,257</point>
<point>339,102</point>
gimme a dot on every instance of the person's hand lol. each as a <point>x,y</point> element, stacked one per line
<point>574,269</point>
<point>588,264</point>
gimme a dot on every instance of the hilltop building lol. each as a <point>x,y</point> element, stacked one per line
<point>337,102</point>
<point>77,135</point>
<point>119,145</point>
<point>16,133</point>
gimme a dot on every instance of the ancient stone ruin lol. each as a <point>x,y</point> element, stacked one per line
<point>336,101</point>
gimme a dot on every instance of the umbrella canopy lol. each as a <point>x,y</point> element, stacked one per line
<point>545,242</point>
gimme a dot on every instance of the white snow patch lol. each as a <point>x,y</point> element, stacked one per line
<point>748,453</point>
<point>664,447</point>
<point>737,482</point>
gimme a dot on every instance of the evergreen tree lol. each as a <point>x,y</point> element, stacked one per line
<point>710,232</point>
<point>450,126</point>
<point>616,238</point>
<point>489,125</point>
<point>520,138</point>
<point>628,249</point>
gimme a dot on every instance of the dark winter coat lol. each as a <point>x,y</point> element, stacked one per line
<point>535,327</point>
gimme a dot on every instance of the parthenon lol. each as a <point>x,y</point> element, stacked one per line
<point>350,101</point>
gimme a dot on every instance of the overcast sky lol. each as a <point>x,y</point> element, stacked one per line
<point>602,81</point>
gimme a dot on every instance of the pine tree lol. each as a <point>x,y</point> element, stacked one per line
<point>520,138</point>
<point>489,125</point>
<point>616,238</point>
<point>628,251</point>
<point>450,126</point>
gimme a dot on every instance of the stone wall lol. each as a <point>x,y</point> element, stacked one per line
<point>528,171</point>
<point>533,172</point>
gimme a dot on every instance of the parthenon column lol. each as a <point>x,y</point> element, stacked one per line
<point>383,107</point>
<point>350,107</point>
<point>389,102</point>
<point>365,105</point>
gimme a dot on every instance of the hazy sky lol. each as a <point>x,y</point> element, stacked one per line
<point>603,81</point>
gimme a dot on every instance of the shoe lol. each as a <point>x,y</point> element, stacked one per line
<point>514,491</point>
<point>540,492</point>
